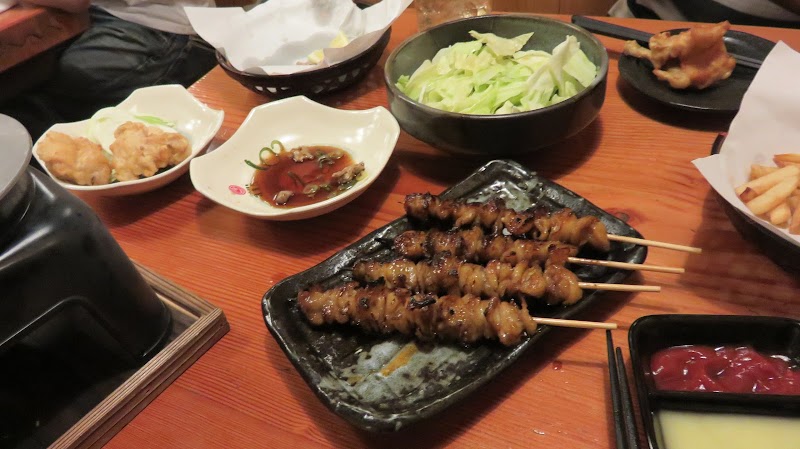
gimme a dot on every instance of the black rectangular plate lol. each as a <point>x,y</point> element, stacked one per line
<point>342,365</point>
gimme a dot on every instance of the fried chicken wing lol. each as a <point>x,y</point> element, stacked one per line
<point>696,57</point>
<point>140,151</point>
<point>76,160</point>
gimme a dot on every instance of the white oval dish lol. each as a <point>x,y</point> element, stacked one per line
<point>173,103</point>
<point>222,175</point>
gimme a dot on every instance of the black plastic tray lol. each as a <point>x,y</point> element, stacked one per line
<point>341,364</point>
<point>769,335</point>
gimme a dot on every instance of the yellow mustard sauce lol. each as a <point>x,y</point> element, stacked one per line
<point>700,430</point>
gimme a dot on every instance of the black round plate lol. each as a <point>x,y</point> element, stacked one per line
<point>725,96</point>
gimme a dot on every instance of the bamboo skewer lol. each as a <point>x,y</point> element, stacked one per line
<point>604,263</point>
<point>574,323</point>
<point>655,243</point>
<point>625,265</point>
<point>619,287</point>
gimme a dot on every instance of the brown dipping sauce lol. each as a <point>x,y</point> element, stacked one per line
<point>283,173</point>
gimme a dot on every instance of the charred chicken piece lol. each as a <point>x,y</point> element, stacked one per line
<point>447,275</point>
<point>538,224</point>
<point>465,319</point>
<point>474,245</point>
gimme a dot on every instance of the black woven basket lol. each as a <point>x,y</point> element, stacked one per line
<point>314,82</point>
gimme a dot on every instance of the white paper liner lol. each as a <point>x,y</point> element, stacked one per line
<point>768,123</point>
<point>7,4</point>
<point>276,37</point>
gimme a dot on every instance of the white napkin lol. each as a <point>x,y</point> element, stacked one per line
<point>276,37</point>
<point>7,4</point>
<point>766,125</point>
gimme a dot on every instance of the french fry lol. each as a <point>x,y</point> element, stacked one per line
<point>780,215</point>
<point>793,202</point>
<point>766,182</point>
<point>786,158</point>
<point>794,226</point>
<point>748,195</point>
<point>774,196</point>
<point>757,171</point>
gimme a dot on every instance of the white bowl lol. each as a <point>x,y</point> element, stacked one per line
<point>173,103</point>
<point>222,175</point>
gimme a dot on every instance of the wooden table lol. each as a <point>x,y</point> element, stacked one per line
<point>633,161</point>
<point>26,34</point>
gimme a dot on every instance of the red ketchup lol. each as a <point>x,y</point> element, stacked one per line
<point>723,369</point>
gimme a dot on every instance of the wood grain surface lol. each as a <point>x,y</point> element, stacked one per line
<point>633,161</point>
<point>26,31</point>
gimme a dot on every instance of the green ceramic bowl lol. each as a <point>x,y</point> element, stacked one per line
<point>495,135</point>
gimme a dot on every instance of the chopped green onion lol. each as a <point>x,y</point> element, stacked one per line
<point>257,167</point>
<point>296,178</point>
<point>281,148</point>
<point>261,153</point>
<point>155,120</point>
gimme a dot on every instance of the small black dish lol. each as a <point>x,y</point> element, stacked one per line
<point>784,253</point>
<point>344,367</point>
<point>724,97</point>
<point>767,335</point>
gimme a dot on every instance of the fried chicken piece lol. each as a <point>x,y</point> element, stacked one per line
<point>76,160</point>
<point>140,151</point>
<point>696,57</point>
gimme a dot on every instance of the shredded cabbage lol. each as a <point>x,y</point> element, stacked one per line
<point>493,75</point>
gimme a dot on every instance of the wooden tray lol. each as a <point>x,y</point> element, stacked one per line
<point>197,325</point>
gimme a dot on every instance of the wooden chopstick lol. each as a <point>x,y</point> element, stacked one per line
<point>616,399</point>
<point>625,428</point>
<point>632,433</point>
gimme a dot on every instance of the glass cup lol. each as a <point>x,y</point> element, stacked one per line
<point>433,12</point>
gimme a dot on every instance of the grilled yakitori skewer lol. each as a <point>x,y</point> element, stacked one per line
<point>448,275</point>
<point>459,318</point>
<point>474,245</point>
<point>539,224</point>
<point>562,225</point>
